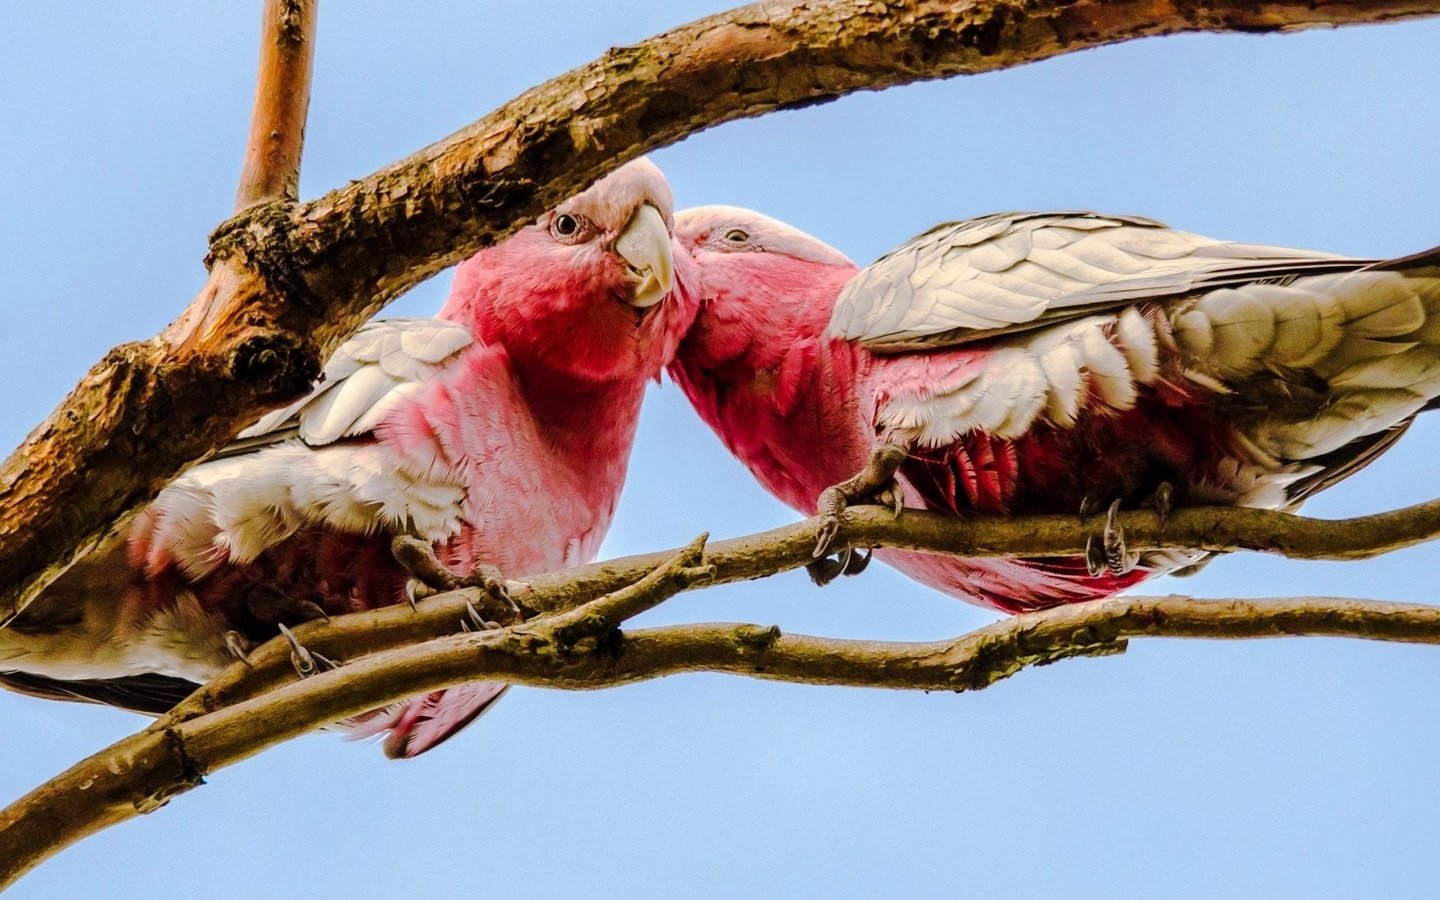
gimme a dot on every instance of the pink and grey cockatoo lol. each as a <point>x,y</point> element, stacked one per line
<point>499,432</point>
<point>1049,363</point>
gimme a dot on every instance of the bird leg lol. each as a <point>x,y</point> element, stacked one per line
<point>429,576</point>
<point>1109,554</point>
<point>876,482</point>
<point>306,662</point>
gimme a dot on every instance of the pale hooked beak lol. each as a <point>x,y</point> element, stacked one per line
<point>645,246</point>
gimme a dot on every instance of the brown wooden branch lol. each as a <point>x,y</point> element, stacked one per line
<point>289,282</point>
<point>140,773</point>
<point>282,97</point>
<point>759,555</point>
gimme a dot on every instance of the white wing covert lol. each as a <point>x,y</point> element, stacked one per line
<point>291,469</point>
<point>381,364</point>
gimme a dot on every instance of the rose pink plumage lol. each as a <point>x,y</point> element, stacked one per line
<point>499,431</point>
<point>1038,363</point>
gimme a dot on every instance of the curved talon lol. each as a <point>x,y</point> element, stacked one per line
<point>1108,554</point>
<point>489,580</point>
<point>1164,502</point>
<point>1089,505</point>
<point>1118,558</point>
<point>847,561</point>
<point>1094,556</point>
<point>823,571</point>
<point>306,662</point>
<point>270,606</point>
<point>238,647</point>
<point>473,615</point>
<point>857,562</point>
<point>893,498</point>
<point>825,536</point>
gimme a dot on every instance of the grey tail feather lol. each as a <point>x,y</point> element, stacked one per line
<point>1345,461</point>
<point>148,693</point>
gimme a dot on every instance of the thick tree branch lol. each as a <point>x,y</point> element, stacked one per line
<point>287,284</point>
<point>282,98</point>
<point>138,774</point>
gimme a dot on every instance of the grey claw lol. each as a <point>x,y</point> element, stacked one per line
<point>1164,501</point>
<point>311,610</point>
<point>1094,556</point>
<point>858,562</point>
<point>1118,558</point>
<point>474,621</point>
<point>822,571</point>
<point>1088,506</point>
<point>473,615</point>
<point>894,498</point>
<point>306,662</point>
<point>237,646</point>
<point>829,528</point>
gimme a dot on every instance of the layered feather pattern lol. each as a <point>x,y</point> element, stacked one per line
<point>1032,362</point>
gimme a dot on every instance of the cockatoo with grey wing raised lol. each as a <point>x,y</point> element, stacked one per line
<point>498,434</point>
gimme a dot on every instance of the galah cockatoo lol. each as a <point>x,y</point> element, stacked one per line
<point>498,432</point>
<point>1049,363</point>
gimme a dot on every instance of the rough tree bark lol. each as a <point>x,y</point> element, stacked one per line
<point>289,282</point>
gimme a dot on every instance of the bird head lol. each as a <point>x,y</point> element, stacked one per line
<point>758,281</point>
<point>588,289</point>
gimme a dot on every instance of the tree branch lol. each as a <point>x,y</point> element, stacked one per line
<point>767,553</point>
<point>289,283</point>
<point>140,773</point>
<point>282,97</point>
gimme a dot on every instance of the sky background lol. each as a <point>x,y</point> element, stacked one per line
<point>1183,768</point>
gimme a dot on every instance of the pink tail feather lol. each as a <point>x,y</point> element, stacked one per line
<point>420,723</point>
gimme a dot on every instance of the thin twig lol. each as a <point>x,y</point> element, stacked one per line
<point>282,98</point>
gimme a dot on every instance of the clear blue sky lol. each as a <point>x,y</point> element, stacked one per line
<point>1276,768</point>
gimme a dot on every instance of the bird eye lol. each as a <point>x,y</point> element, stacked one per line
<point>737,236</point>
<point>565,226</point>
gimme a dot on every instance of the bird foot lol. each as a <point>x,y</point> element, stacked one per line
<point>429,576</point>
<point>876,483</point>
<point>271,607</point>
<point>238,646</point>
<point>473,621</point>
<point>306,662</point>
<point>847,561</point>
<point>1109,554</point>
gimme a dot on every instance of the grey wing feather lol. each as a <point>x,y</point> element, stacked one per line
<point>381,364</point>
<point>1012,272</point>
